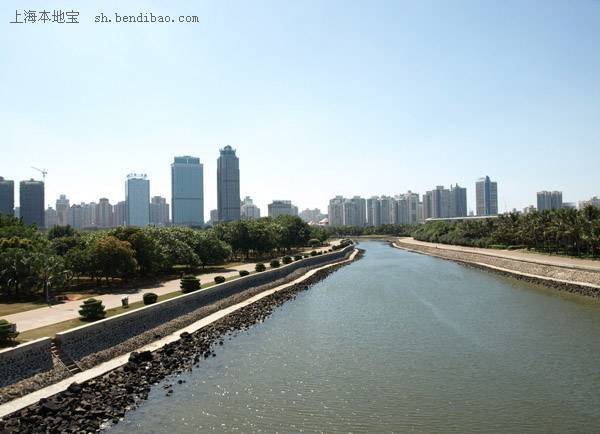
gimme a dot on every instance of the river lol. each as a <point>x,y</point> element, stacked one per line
<point>398,342</point>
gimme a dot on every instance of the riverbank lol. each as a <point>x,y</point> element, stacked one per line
<point>563,274</point>
<point>85,407</point>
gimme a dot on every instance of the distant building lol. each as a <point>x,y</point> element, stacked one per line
<point>312,215</point>
<point>62,210</point>
<point>50,217</point>
<point>159,212</point>
<point>248,210</point>
<point>529,209</point>
<point>31,201</point>
<point>104,214</point>
<point>214,217</point>
<point>120,214</point>
<point>335,211</point>
<point>282,207</point>
<point>137,197</point>
<point>347,212</point>
<point>373,211</point>
<point>569,205</point>
<point>458,201</point>
<point>547,200</point>
<point>7,197</point>
<point>228,185</point>
<point>594,201</point>
<point>89,214</point>
<point>408,208</point>
<point>76,216</point>
<point>486,197</point>
<point>187,191</point>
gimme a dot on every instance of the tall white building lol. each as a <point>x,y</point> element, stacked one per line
<point>137,197</point>
<point>249,210</point>
<point>159,211</point>
<point>282,207</point>
<point>50,219</point>
<point>104,213</point>
<point>547,200</point>
<point>62,210</point>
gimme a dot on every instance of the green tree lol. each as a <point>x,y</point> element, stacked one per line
<point>111,257</point>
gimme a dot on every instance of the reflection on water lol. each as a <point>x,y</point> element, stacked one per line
<point>398,342</point>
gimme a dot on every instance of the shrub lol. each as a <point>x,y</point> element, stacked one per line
<point>313,253</point>
<point>298,257</point>
<point>244,273</point>
<point>320,252</point>
<point>92,310</point>
<point>305,256</point>
<point>260,267</point>
<point>313,242</point>
<point>219,279</point>
<point>150,298</point>
<point>274,263</point>
<point>189,283</point>
<point>6,333</point>
<point>287,259</point>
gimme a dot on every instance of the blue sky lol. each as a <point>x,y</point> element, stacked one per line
<point>319,97</point>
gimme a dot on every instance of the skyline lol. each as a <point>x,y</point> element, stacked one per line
<point>409,95</point>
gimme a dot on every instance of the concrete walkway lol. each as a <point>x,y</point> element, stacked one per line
<point>520,255</point>
<point>32,398</point>
<point>45,316</point>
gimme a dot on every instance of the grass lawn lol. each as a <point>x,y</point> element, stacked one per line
<point>10,308</point>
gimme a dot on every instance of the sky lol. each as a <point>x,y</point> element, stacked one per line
<point>319,98</point>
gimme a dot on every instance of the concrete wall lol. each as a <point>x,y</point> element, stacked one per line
<point>25,360</point>
<point>82,341</point>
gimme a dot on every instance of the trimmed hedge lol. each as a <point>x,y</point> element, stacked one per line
<point>150,298</point>
<point>287,260</point>
<point>297,257</point>
<point>92,310</point>
<point>244,273</point>
<point>313,253</point>
<point>260,267</point>
<point>275,263</point>
<point>219,279</point>
<point>189,283</point>
<point>6,334</point>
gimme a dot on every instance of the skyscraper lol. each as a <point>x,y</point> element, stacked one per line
<point>547,200</point>
<point>335,211</point>
<point>228,185</point>
<point>119,214</point>
<point>31,201</point>
<point>486,197</point>
<point>76,216</point>
<point>62,210</point>
<point>187,191</point>
<point>7,196</point>
<point>104,213</point>
<point>137,197</point>
<point>458,201</point>
<point>50,217</point>
<point>159,211</point>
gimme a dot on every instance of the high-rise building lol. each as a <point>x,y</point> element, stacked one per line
<point>594,201</point>
<point>249,210</point>
<point>354,212</point>
<point>282,207</point>
<point>137,197</point>
<point>486,196</point>
<point>373,211</point>
<point>214,217</point>
<point>228,185</point>
<point>458,201</point>
<point>159,211</point>
<point>7,196</point>
<point>312,215</point>
<point>50,217</point>
<point>62,210</point>
<point>104,213</point>
<point>187,191</point>
<point>335,211</point>
<point>76,216</point>
<point>547,200</point>
<point>89,214</point>
<point>31,201</point>
<point>120,214</point>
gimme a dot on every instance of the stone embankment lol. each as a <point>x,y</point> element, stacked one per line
<point>572,279</point>
<point>98,403</point>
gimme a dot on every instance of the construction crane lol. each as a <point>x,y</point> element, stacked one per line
<point>44,172</point>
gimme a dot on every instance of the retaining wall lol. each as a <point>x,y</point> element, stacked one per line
<point>100,335</point>
<point>25,360</point>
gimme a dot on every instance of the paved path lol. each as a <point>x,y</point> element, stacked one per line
<point>537,258</point>
<point>45,316</point>
<point>32,398</point>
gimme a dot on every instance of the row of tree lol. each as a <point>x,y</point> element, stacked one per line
<point>32,261</point>
<point>562,231</point>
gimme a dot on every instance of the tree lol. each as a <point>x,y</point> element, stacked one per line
<point>111,257</point>
<point>210,249</point>
<point>146,250</point>
<point>60,232</point>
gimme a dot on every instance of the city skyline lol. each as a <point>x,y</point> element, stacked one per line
<point>418,97</point>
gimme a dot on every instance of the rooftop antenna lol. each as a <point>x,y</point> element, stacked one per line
<point>44,172</point>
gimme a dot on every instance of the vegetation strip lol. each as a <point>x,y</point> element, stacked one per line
<point>580,288</point>
<point>95,404</point>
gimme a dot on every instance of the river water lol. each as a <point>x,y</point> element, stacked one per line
<point>398,342</point>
